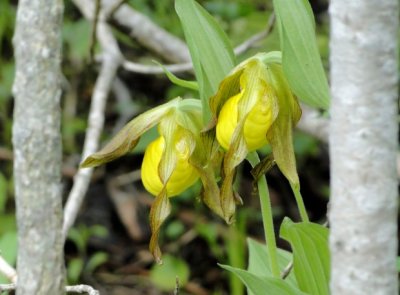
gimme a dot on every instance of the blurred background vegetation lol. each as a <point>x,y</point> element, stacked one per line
<point>107,248</point>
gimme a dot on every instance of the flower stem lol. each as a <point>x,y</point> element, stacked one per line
<point>300,203</point>
<point>266,211</point>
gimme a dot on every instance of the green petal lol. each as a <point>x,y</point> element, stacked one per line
<point>126,139</point>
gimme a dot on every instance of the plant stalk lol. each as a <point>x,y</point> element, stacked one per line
<point>300,203</point>
<point>266,211</point>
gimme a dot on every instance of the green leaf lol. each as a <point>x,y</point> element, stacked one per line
<point>78,238</point>
<point>74,270</point>
<point>309,242</point>
<point>95,261</point>
<point>180,82</point>
<point>164,276</point>
<point>8,223</point>
<point>211,52</point>
<point>259,261</point>
<point>260,285</point>
<point>300,57</point>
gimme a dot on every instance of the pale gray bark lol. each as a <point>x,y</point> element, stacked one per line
<point>363,147</point>
<point>37,147</point>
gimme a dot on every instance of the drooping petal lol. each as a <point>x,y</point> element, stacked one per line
<point>280,134</point>
<point>128,137</point>
<point>160,210</point>
<point>207,159</point>
<point>161,206</point>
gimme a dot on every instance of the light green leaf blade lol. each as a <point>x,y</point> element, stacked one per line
<point>211,52</point>
<point>96,260</point>
<point>309,242</point>
<point>164,276</point>
<point>74,270</point>
<point>300,57</point>
<point>259,261</point>
<point>260,285</point>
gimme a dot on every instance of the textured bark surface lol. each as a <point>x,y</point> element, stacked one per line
<point>37,147</point>
<point>363,146</point>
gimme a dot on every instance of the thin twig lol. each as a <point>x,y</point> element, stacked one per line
<point>82,289</point>
<point>151,70</point>
<point>249,43</point>
<point>7,270</point>
<point>94,30</point>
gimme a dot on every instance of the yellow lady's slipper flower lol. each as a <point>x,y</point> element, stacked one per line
<point>166,168</point>
<point>254,106</point>
<point>183,176</point>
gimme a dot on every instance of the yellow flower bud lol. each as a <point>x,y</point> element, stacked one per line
<point>256,125</point>
<point>183,176</point>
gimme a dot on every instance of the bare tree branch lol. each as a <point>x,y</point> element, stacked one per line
<point>149,34</point>
<point>249,43</point>
<point>75,289</point>
<point>108,71</point>
<point>188,66</point>
<point>7,287</point>
<point>314,123</point>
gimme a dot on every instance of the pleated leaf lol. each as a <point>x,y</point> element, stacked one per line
<point>259,261</point>
<point>309,242</point>
<point>211,51</point>
<point>262,285</point>
<point>300,57</point>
